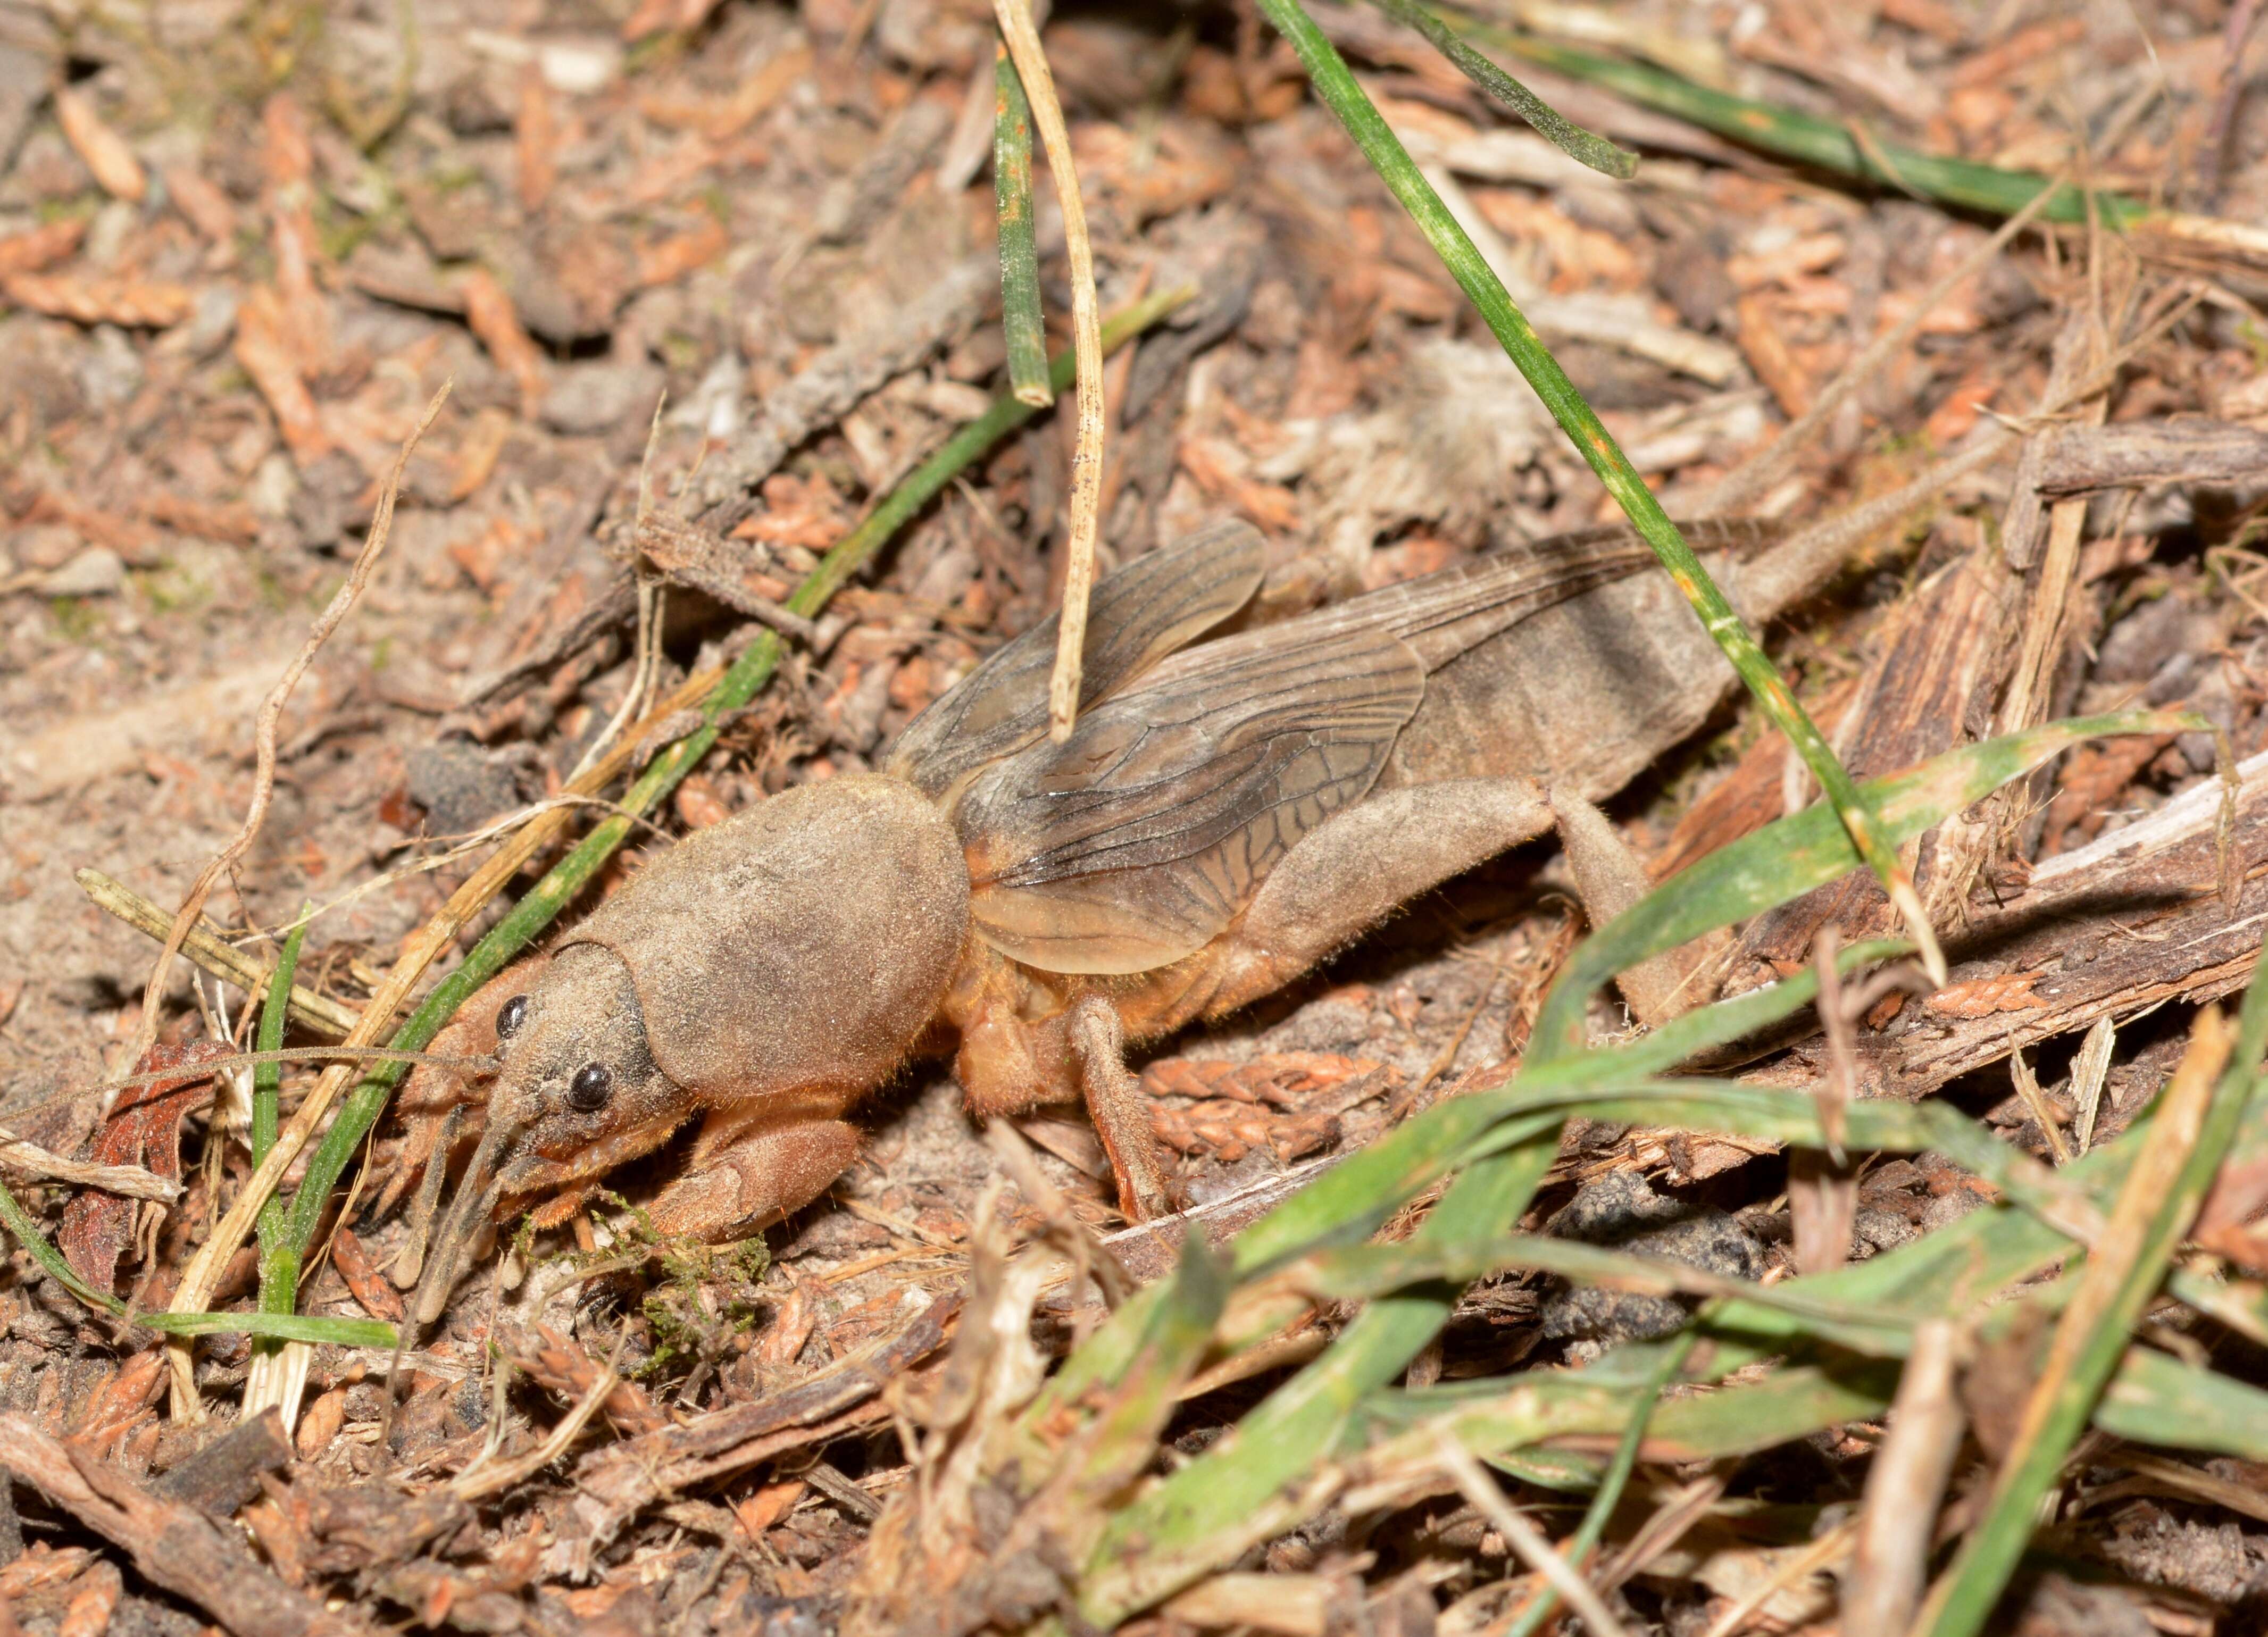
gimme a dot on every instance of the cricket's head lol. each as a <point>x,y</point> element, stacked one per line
<point>577,1092</point>
<point>786,959</point>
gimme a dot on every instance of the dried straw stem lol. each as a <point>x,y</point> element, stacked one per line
<point>1023,41</point>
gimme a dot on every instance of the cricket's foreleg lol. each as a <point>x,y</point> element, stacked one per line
<point>1344,877</point>
<point>748,1179</point>
<point>440,1106</point>
<point>1120,1110</point>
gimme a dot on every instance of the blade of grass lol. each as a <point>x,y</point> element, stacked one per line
<point>1367,1272</point>
<point>1351,1201</point>
<point>1247,1485</point>
<point>1245,1489</point>
<point>267,1077</point>
<point>2196,1118</point>
<point>1346,98</point>
<point>271,1378</point>
<point>1020,320</point>
<point>1806,850</point>
<point>1584,147</point>
<point>1809,139</point>
<point>1084,507</point>
<point>1587,1534</point>
<point>2154,1399</point>
<point>544,901</point>
<point>346,1332</point>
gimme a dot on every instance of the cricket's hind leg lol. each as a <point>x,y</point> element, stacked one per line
<point>1029,1038</point>
<point>744,1178</point>
<point>1350,873</point>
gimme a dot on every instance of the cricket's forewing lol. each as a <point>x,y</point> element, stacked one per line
<point>1137,617</point>
<point>1139,839</point>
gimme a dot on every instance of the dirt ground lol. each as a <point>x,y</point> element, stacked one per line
<point>243,243</point>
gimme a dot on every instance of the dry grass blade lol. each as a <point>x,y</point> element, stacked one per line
<point>1525,1539</point>
<point>132,1181</point>
<point>1904,1488</point>
<point>2090,1070</point>
<point>1084,505</point>
<point>236,1225</point>
<point>1820,1553</point>
<point>318,1012</point>
<point>2122,1268</point>
<point>271,709</point>
<point>481,1479</point>
<point>194,1295</point>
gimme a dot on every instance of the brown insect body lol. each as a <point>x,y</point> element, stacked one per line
<point>1223,816</point>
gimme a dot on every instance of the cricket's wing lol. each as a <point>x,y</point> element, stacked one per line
<point>1137,616</point>
<point>1137,840</point>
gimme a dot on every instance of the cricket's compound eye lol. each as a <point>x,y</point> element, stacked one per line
<point>514,1013</point>
<point>587,1092</point>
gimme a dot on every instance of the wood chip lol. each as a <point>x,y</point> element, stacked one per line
<point>129,303</point>
<point>114,166</point>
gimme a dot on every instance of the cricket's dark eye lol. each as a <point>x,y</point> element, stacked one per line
<point>587,1092</point>
<point>510,1018</point>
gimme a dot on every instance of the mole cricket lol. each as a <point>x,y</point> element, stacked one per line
<point>1225,814</point>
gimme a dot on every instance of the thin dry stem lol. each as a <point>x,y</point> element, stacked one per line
<point>1086,503</point>
<point>131,1181</point>
<point>1905,1486</point>
<point>264,739</point>
<point>1525,1539</point>
<point>1820,1553</point>
<point>480,1481</point>
<point>203,945</point>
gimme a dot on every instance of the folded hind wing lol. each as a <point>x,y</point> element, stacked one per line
<point>1137,840</point>
<point>1137,616</point>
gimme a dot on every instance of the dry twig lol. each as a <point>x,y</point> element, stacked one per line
<point>1085,502</point>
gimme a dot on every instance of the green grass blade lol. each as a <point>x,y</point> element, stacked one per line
<point>2146,1226</point>
<point>267,1078</point>
<point>1364,1272</point>
<point>1244,1490</point>
<point>1123,1440</point>
<point>2157,1398</point>
<point>1348,1204</point>
<point>1582,146</point>
<point>1586,1539</point>
<point>1809,140</point>
<point>1020,320</point>
<point>348,1332</point>
<point>279,1262</point>
<point>1806,850</point>
<point>1346,98</point>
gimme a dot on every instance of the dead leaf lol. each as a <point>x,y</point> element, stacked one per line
<point>489,311</point>
<point>144,1128</point>
<point>265,352</point>
<point>379,1299</point>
